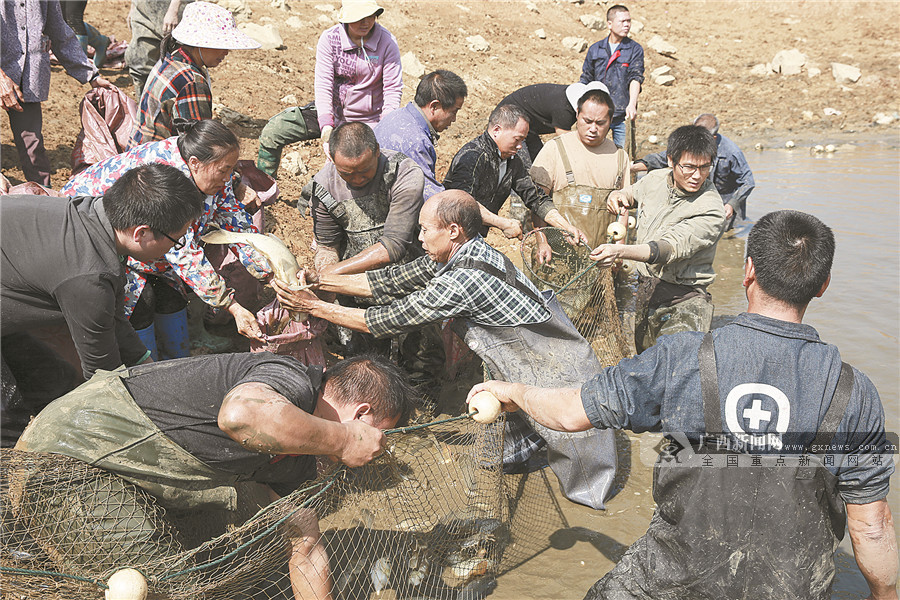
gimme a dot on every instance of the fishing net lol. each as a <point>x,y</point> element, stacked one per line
<point>433,517</point>
<point>586,292</point>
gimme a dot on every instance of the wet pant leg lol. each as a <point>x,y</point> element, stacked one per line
<point>291,125</point>
<point>26,129</point>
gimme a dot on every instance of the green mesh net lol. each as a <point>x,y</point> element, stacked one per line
<point>433,517</point>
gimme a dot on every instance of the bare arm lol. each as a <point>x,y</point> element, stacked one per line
<point>306,301</point>
<point>373,257</point>
<point>308,567</point>
<point>608,254</point>
<point>510,227</point>
<point>875,546</point>
<point>262,420</point>
<point>557,408</point>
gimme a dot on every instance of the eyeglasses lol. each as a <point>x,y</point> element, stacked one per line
<point>691,169</point>
<point>176,244</point>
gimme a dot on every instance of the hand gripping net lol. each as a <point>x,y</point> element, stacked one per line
<point>585,292</point>
<point>433,517</point>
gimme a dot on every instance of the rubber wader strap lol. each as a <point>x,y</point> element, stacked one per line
<point>570,175</point>
<point>620,168</point>
<point>835,413</point>
<point>337,210</point>
<point>709,385</point>
<point>509,276</point>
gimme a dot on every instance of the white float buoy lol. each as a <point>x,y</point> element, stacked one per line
<point>126,584</point>
<point>626,267</point>
<point>632,222</point>
<point>830,148</point>
<point>486,405</point>
<point>818,148</point>
<point>616,231</point>
<point>758,146</point>
<point>652,139</point>
<point>789,144</point>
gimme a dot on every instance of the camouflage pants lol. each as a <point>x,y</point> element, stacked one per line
<point>694,314</point>
<point>291,125</point>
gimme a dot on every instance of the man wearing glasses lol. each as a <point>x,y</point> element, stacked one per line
<point>680,218</point>
<point>63,263</point>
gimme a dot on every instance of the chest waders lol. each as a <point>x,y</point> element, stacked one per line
<point>741,532</point>
<point>585,206</point>
<point>363,218</point>
<point>548,354</point>
<point>126,442</point>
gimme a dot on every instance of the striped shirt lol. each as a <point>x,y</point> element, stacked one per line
<point>176,88</point>
<point>424,291</point>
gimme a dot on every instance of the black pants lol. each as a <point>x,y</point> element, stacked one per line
<point>158,296</point>
<point>73,13</point>
<point>33,375</point>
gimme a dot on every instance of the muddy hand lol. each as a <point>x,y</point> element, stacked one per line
<point>299,300</point>
<point>363,443</point>
<point>246,322</point>
<point>605,254</point>
<point>10,93</point>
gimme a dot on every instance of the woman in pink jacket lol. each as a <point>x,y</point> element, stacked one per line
<point>358,72</point>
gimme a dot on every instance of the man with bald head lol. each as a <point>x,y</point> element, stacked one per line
<point>497,311</point>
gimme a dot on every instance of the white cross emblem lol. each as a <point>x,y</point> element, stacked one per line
<point>755,414</point>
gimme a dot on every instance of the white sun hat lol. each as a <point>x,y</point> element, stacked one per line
<point>357,10</point>
<point>575,91</point>
<point>208,25</point>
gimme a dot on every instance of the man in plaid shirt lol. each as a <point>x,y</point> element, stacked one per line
<point>452,280</point>
<point>520,334</point>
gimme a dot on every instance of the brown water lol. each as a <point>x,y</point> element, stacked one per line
<point>856,191</point>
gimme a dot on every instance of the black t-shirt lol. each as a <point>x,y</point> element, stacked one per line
<point>183,398</point>
<point>546,106</point>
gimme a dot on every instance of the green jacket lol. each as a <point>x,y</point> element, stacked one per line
<point>691,223</point>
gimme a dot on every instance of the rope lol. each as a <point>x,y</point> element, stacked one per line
<point>15,571</point>
<point>430,424</point>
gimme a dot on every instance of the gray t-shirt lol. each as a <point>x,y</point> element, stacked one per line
<point>183,398</point>
<point>659,390</point>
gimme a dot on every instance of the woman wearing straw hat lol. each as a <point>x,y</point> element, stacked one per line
<point>178,86</point>
<point>358,72</point>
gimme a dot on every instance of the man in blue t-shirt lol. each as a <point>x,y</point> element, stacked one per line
<point>799,438</point>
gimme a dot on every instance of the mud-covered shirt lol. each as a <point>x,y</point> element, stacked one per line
<point>791,375</point>
<point>183,398</point>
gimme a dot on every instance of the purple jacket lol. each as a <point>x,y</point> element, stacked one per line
<point>353,83</point>
<point>29,28</point>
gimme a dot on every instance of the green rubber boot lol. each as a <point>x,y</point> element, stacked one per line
<point>100,43</point>
<point>267,161</point>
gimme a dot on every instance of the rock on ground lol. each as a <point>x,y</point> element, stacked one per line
<point>267,35</point>
<point>593,22</point>
<point>578,44</point>
<point>412,66</point>
<point>661,46</point>
<point>478,44</point>
<point>540,33</point>
<point>663,70</point>
<point>845,74</point>
<point>789,62</point>
<point>664,80</point>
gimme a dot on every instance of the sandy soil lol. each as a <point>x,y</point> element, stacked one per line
<point>729,37</point>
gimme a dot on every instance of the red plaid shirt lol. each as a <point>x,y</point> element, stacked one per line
<point>177,87</point>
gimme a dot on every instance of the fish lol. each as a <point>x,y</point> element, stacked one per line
<point>477,589</point>
<point>348,576</point>
<point>380,574</point>
<point>281,259</point>
<point>470,568</point>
